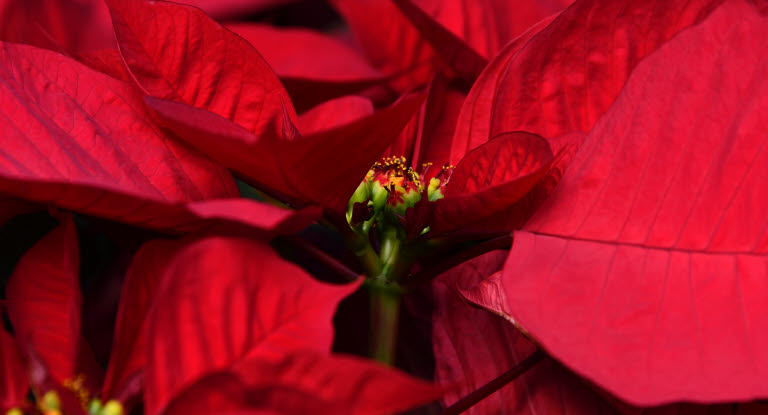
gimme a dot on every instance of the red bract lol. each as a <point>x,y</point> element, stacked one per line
<point>69,25</point>
<point>303,383</point>
<point>485,26</point>
<point>491,178</point>
<point>334,113</point>
<point>650,256</point>
<point>232,306</point>
<point>490,190</point>
<point>626,139</point>
<point>44,302</point>
<point>427,137</point>
<point>222,73</point>
<point>108,61</point>
<point>316,168</point>
<point>560,78</point>
<point>514,216</point>
<point>124,377</point>
<point>13,377</point>
<point>83,141</point>
<point>44,307</point>
<point>349,384</point>
<point>313,66</point>
<point>398,51</point>
<point>458,34</point>
<point>473,347</point>
<point>246,121</point>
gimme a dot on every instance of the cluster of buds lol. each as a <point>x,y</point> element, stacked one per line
<point>50,403</point>
<point>390,188</point>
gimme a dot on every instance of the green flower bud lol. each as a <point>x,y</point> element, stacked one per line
<point>50,401</point>
<point>379,195</point>
<point>361,195</point>
<point>112,407</point>
<point>94,408</point>
<point>434,191</point>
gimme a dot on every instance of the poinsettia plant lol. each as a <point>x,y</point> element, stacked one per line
<point>377,206</point>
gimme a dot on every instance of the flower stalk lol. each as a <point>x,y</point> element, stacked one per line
<point>385,313</point>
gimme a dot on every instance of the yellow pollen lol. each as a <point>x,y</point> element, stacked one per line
<point>77,386</point>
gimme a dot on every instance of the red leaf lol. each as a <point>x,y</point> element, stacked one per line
<point>44,301</point>
<point>177,53</point>
<point>142,281</point>
<point>473,346</point>
<point>491,178</point>
<point>458,32</point>
<point>108,61</point>
<point>427,137</point>
<point>335,113</point>
<point>307,93</point>
<point>13,377</point>
<point>306,54</point>
<point>484,26</point>
<point>82,142</point>
<point>226,393</point>
<point>71,25</point>
<point>561,77</point>
<point>316,168</point>
<point>359,386</point>
<point>223,299</point>
<point>513,217</point>
<point>84,127</point>
<point>650,256</point>
<point>399,50</point>
<point>451,48</point>
<point>313,66</point>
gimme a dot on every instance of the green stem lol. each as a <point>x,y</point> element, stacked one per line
<point>385,311</point>
<point>364,252</point>
<point>390,255</point>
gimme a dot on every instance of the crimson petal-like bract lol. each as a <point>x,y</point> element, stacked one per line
<point>125,371</point>
<point>351,384</point>
<point>225,393</point>
<point>400,50</point>
<point>427,137</point>
<point>473,346</point>
<point>452,49</point>
<point>44,301</point>
<point>334,113</point>
<point>313,168</point>
<point>72,26</point>
<point>650,256</point>
<point>178,53</point>
<point>303,383</point>
<point>108,61</point>
<point>82,140</point>
<point>513,217</point>
<point>466,33</point>
<point>483,25</point>
<point>560,76</point>
<point>222,300</point>
<point>492,178</point>
<point>313,66</point>
<point>13,377</point>
<point>459,33</point>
